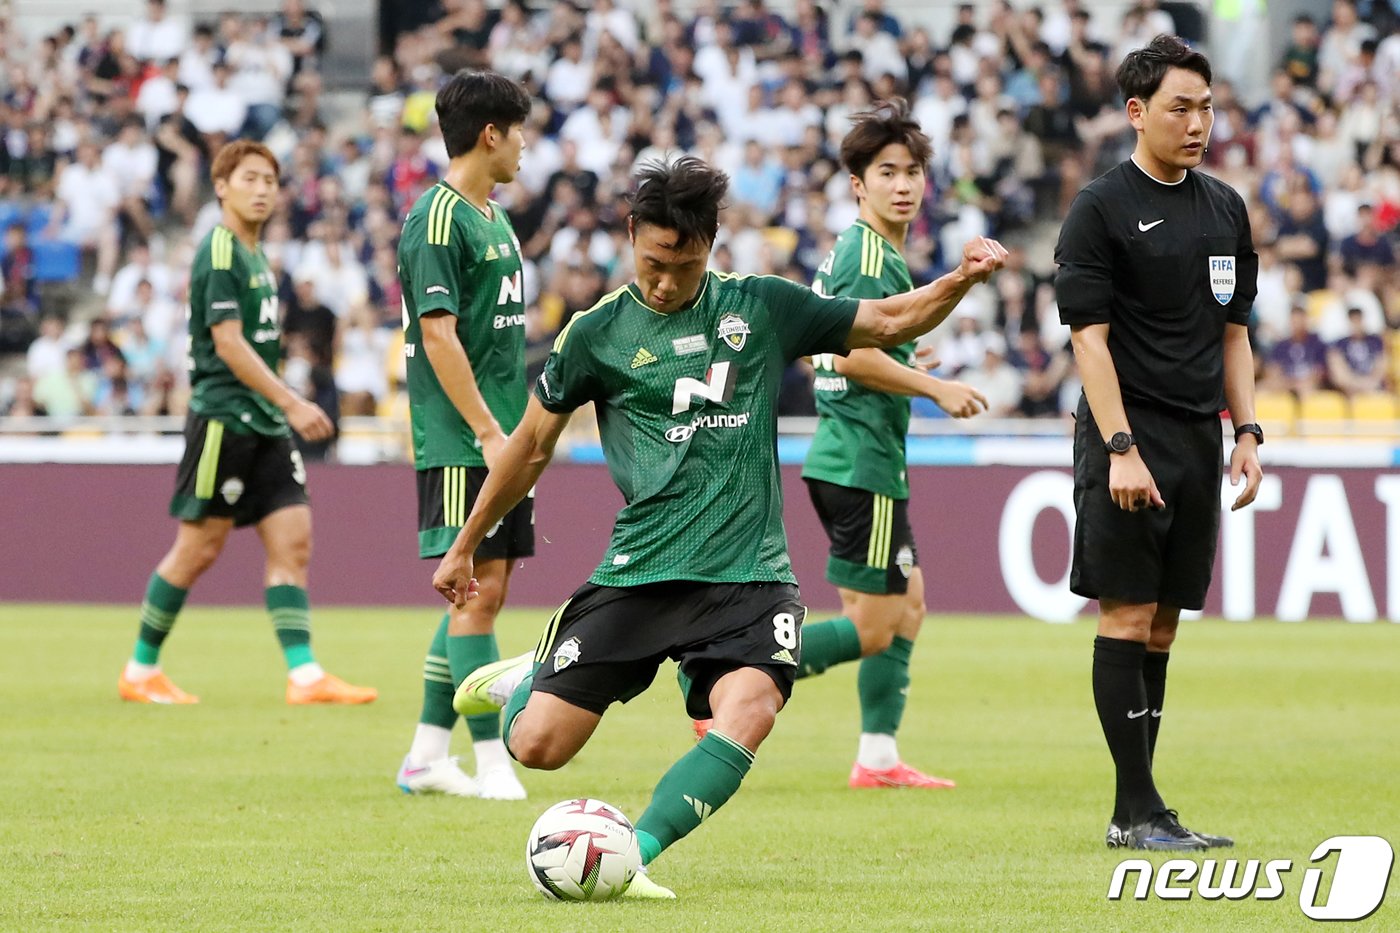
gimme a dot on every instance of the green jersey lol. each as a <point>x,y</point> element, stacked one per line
<point>230,282</point>
<point>859,442</point>
<point>686,407</point>
<point>454,258</point>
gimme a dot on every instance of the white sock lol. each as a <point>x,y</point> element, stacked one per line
<point>430,744</point>
<point>304,675</point>
<point>137,672</point>
<point>491,754</point>
<point>505,685</point>
<point>877,752</point>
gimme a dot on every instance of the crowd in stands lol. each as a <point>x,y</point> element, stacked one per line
<point>108,129</point>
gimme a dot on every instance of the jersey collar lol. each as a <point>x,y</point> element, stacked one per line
<point>466,200</point>
<point>1150,177</point>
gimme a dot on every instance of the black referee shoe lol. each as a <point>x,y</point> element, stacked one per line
<point>1159,833</point>
<point>1212,842</point>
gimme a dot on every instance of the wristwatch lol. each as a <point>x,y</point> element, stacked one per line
<point>1254,429</point>
<point>1119,443</point>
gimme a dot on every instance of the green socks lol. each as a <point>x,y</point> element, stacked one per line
<point>518,698</point>
<point>826,643</point>
<point>438,687</point>
<point>158,611</point>
<point>883,685</point>
<point>465,653</point>
<point>696,786</point>
<point>291,619</point>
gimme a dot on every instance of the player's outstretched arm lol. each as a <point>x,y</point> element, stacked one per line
<point>877,370</point>
<point>306,418</point>
<point>526,453</point>
<point>888,322</point>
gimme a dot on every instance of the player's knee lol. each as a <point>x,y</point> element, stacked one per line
<point>538,750</point>
<point>876,630</point>
<point>747,720</point>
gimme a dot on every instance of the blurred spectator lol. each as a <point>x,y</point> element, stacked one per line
<point>308,318</point>
<point>310,374</point>
<point>1356,363</point>
<point>67,391</point>
<point>1302,238</point>
<point>1300,58</point>
<point>386,97</point>
<point>23,404</point>
<point>1366,246</point>
<point>88,198</point>
<point>1298,363</point>
<point>1041,371</point>
<point>156,36</point>
<point>124,300</point>
<point>46,354</point>
<point>360,373</point>
<point>217,111</point>
<point>131,163</point>
<point>179,150</point>
<point>19,296</point>
<point>262,66</point>
<point>997,379</point>
<point>302,32</point>
<point>197,60</point>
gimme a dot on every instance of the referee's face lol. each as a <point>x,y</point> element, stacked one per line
<point>893,185</point>
<point>1174,124</point>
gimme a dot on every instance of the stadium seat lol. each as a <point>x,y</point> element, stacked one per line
<point>1322,412</point>
<point>56,261</point>
<point>38,219</point>
<point>1374,408</point>
<point>1276,411</point>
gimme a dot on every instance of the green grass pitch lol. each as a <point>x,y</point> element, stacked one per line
<point>244,814</point>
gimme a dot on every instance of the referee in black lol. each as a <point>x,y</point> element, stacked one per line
<point>1157,276</point>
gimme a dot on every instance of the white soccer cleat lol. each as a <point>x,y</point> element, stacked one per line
<point>499,783</point>
<point>436,777</point>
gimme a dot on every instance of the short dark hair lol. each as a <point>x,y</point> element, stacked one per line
<point>684,196</point>
<point>889,121</point>
<point>472,100</point>
<point>1142,70</point>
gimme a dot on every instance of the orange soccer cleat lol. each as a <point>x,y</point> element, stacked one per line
<point>901,775</point>
<point>701,727</point>
<point>329,689</point>
<point>154,689</point>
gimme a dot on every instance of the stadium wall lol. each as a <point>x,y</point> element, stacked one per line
<point>992,539</point>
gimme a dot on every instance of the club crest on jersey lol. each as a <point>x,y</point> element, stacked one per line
<point>1222,278</point>
<point>566,654</point>
<point>232,490</point>
<point>733,331</point>
<point>904,560</point>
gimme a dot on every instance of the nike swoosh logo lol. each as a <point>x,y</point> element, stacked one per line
<point>1146,227</point>
<point>1138,715</point>
<point>1156,714</point>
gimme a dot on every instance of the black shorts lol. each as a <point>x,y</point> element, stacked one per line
<point>872,545</point>
<point>1150,556</point>
<point>605,644</point>
<point>225,474</point>
<point>445,499</point>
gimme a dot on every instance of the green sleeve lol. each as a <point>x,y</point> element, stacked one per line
<point>223,291</point>
<point>806,323</point>
<point>568,382</point>
<point>435,273</point>
<point>846,277</point>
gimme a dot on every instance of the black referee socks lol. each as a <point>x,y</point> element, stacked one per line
<point>1120,696</point>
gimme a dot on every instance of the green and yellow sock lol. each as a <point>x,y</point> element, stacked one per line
<point>834,641</point>
<point>291,619</point>
<point>465,653</point>
<point>437,682</point>
<point>162,604</point>
<point>883,685</point>
<point>696,786</point>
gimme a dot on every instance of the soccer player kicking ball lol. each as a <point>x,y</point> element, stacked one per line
<point>683,366</point>
<point>855,471</point>
<point>464,336</point>
<point>239,466</point>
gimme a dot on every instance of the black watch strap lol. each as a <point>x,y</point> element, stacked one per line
<point>1250,428</point>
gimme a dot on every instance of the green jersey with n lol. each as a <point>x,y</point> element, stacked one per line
<point>686,406</point>
<point>859,442</point>
<point>454,258</point>
<point>230,282</point>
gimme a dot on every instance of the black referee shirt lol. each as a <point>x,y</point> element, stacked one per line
<point>1165,266</point>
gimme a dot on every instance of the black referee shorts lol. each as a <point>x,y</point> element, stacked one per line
<point>1149,556</point>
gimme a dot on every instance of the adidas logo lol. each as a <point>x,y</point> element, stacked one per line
<point>491,253</point>
<point>702,809</point>
<point>784,656</point>
<point>643,357</point>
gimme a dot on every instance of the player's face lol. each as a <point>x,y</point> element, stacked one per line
<point>893,185</point>
<point>510,144</point>
<point>667,276</point>
<point>250,190</point>
<point>1176,122</point>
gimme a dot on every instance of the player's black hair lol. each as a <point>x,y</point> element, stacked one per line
<point>872,130</point>
<point>471,100</point>
<point>684,196</point>
<point>1142,70</point>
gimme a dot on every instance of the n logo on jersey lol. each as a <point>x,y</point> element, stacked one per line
<point>733,331</point>
<point>1222,278</point>
<point>511,289</point>
<point>717,387</point>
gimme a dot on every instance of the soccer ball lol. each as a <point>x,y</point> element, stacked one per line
<point>582,850</point>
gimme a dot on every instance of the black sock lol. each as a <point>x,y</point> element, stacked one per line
<point>1154,676</point>
<point>1120,696</point>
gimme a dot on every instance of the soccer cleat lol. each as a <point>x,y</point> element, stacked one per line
<point>329,689</point>
<point>1212,842</point>
<point>487,688</point>
<point>1161,832</point>
<point>1117,836</point>
<point>154,689</point>
<point>901,775</point>
<point>500,784</point>
<point>643,887</point>
<point>436,777</point>
<point>702,727</point>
